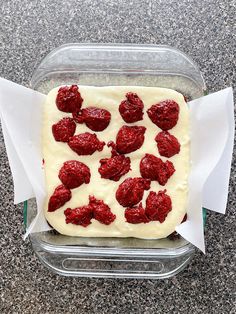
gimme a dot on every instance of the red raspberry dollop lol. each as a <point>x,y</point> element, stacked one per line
<point>153,168</point>
<point>96,209</point>
<point>96,119</point>
<point>60,196</point>
<point>85,144</point>
<point>69,99</point>
<point>129,138</point>
<point>158,205</point>
<point>74,173</point>
<point>130,191</point>
<point>63,129</point>
<point>167,144</point>
<point>165,114</point>
<point>101,211</point>
<point>79,216</point>
<point>131,109</point>
<point>115,167</point>
<point>136,215</point>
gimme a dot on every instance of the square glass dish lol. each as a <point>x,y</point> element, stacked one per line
<point>103,65</point>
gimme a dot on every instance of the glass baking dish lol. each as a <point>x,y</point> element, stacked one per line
<point>102,65</point>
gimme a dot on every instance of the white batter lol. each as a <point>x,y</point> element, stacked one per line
<point>55,153</point>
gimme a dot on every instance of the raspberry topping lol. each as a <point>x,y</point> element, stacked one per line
<point>60,196</point>
<point>79,216</point>
<point>158,205</point>
<point>69,99</point>
<point>136,215</point>
<point>74,173</point>
<point>167,144</point>
<point>131,109</point>
<point>95,119</point>
<point>85,143</point>
<point>155,169</point>
<point>64,129</point>
<point>96,209</point>
<point>165,114</point>
<point>115,167</point>
<point>130,192</point>
<point>129,138</point>
<point>101,211</point>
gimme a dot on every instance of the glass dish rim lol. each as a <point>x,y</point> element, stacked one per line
<point>115,47</point>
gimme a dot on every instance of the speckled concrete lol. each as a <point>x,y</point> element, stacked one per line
<point>28,31</point>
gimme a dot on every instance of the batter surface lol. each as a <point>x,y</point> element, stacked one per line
<point>56,153</point>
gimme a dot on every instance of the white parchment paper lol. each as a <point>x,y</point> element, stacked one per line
<point>212,134</point>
